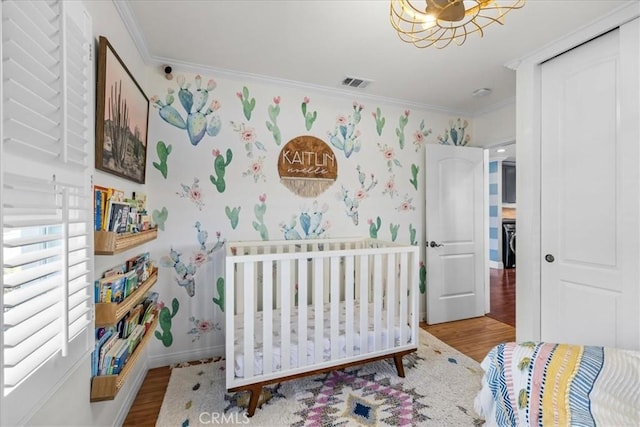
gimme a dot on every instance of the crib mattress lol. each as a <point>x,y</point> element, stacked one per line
<point>310,344</point>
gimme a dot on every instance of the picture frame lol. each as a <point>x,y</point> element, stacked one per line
<point>122,118</point>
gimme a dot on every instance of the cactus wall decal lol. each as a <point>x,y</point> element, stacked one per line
<point>402,122</point>
<point>345,135</point>
<point>233,215</point>
<point>160,217</point>
<point>420,136</point>
<point>394,231</point>
<point>377,116</point>
<point>248,137</point>
<point>311,223</point>
<point>163,151</point>
<point>272,126</point>
<point>185,273</point>
<point>247,104</point>
<point>192,193</point>
<point>309,117</point>
<point>352,203</point>
<point>220,169</point>
<point>220,300</point>
<point>456,131</point>
<point>374,227</point>
<point>414,175</point>
<point>423,278</point>
<point>259,210</point>
<point>412,235</point>
<point>200,119</point>
<point>164,321</point>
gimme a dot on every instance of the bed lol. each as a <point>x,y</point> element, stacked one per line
<point>559,384</point>
<point>296,308</point>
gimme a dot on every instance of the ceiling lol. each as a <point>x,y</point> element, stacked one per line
<point>317,43</point>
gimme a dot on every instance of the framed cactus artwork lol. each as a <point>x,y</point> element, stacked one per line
<point>122,115</point>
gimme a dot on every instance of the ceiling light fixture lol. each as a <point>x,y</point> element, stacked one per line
<point>437,23</point>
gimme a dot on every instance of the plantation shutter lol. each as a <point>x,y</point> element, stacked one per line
<point>46,150</point>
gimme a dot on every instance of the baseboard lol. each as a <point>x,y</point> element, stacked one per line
<point>133,392</point>
<point>496,264</point>
<point>185,356</point>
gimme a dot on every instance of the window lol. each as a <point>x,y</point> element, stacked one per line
<point>46,144</point>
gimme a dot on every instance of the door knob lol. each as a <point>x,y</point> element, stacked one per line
<point>549,258</point>
<point>435,245</point>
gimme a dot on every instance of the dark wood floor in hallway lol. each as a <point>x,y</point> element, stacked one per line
<point>503,295</point>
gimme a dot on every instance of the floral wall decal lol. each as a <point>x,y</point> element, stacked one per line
<point>256,170</point>
<point>309,117</point>
<point>345,135</point>
<point>390,187</point>
<point>377,116</point>
<point>402,122</point>
<point>406,204</point>
<point>352,203</point>
<point>163,151</point>
<point>419,137</point>
<point>201,327</point>
<point>259,210</point>
<point>248,137</point>
<point>457,133</point>
<point>389,156</point>
<point>200,120</point>
<point>247,104</point>
<point>272,125</point>
<point>219,169</point>
<point>192,193</point>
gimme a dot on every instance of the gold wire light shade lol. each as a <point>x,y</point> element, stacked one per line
<point>437,23</point>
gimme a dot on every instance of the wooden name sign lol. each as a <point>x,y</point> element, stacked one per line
<point>307,166</point>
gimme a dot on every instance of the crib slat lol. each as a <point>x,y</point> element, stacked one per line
<point>335,307</point>
<point>285,313</point>
<point>377,284</point>
<point>391,301</point>
<point>348,297</point>
<point>318,282</point>
<point>404,299</point>
<point>229,314</point>
<point>267,317</point>
<point>363,287</point>
<point>302,312</point>
<point>248,321</point>
<point>239,289</point>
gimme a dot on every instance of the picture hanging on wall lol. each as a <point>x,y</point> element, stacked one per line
<point>307,166</point>
<point>122,114</point>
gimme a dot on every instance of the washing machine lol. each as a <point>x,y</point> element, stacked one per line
<point>509,243</point>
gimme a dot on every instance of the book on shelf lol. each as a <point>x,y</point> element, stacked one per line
<point>118,217</point>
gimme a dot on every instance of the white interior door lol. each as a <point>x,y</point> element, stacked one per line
<point>590,195</point>
<point>454,232</point>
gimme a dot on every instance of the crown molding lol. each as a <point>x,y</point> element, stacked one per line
<point>131,24</point>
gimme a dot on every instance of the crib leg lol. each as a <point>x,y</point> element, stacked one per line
<point>399,366</point>
<point>255,392</point>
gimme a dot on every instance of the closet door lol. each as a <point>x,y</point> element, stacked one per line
<point>590,193</point>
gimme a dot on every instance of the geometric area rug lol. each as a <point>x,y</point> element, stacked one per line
<point>439,387</point>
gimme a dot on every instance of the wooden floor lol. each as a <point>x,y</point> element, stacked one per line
<point>473,337</point>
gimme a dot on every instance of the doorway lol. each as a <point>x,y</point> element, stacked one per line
<point>502,233</point>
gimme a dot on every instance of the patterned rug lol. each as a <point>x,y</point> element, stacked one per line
<point>438,390</point>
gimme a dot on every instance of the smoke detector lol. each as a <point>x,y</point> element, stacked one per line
<point>356,82</point>
<point>479,93</point>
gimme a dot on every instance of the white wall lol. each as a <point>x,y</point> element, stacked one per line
<point>495,127</point>
<point>70,405</point>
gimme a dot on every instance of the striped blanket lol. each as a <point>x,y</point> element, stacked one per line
<point>558,384</point>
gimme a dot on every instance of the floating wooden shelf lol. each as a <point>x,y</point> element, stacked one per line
<point>110,243</point>
<point>111,313</point>
<point>106,387</point>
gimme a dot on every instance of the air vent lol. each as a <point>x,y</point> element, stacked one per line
<point>356,82</point>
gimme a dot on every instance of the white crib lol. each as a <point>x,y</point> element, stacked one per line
<point>323,304</point>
